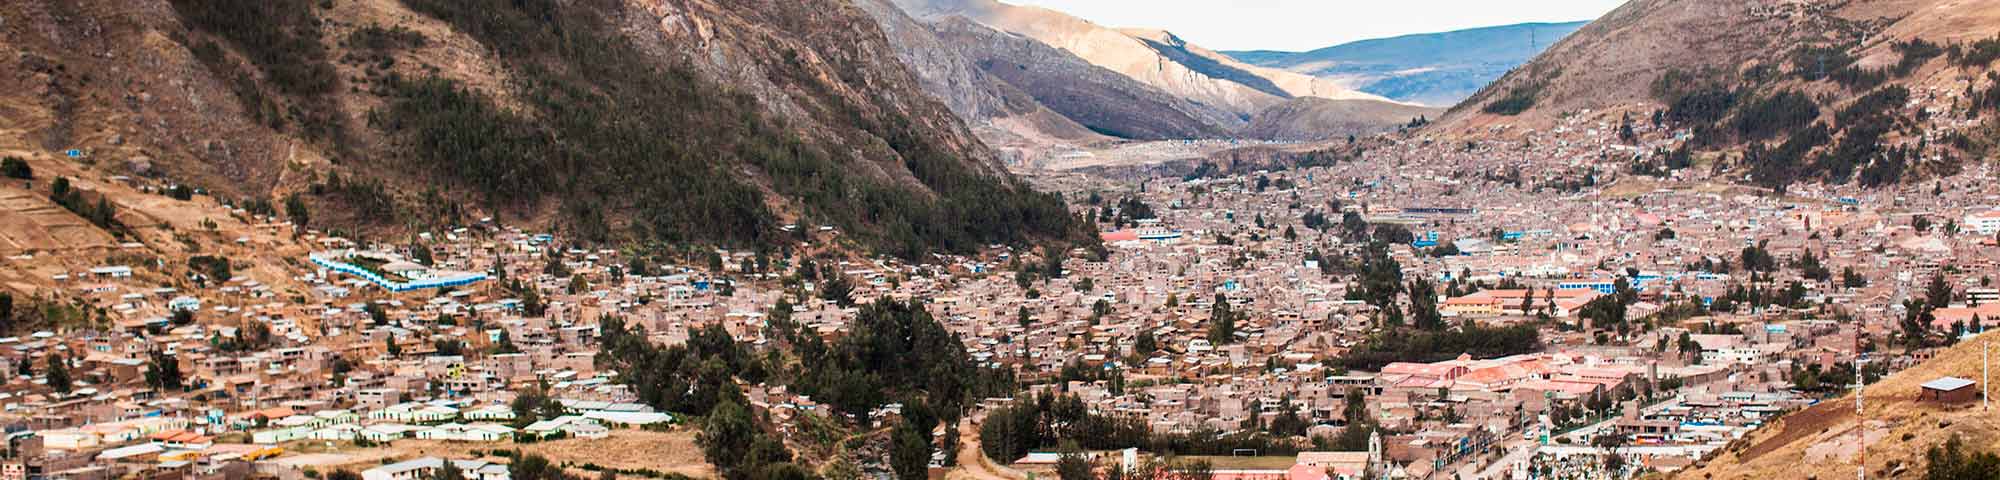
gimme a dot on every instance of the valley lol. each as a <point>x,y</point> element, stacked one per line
<point>976,239</point>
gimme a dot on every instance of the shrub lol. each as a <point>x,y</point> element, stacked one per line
<point>14,167</point>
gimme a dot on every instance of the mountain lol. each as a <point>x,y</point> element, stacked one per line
<point>1876,92</point>
<point>1819,441</point>
<point>683,121</point>
<point>1428,68</point>
<point>1098,98</point>
<point>1004,116</point>
<point>1308,119</point>
<point>1161,86</point>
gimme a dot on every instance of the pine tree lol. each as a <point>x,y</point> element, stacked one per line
<point>1221,322</point>
<point>58,377</point>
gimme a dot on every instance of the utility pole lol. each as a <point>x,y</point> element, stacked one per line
<point>1985,376</point>
<point>1860,387</point>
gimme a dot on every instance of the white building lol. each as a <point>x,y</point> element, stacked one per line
<point>1983,223</point>
<point>427,467</point>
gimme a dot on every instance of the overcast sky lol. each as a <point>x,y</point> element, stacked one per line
<point>1299,25</point>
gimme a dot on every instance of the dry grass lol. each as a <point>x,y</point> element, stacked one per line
<point>673,451</point>
<point>1817,442</point>
<point>1225,462</point>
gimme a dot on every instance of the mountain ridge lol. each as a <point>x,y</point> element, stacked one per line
<point>1877,92</point>
<point>388,113</point>
<point>1438,68</point>
<point>1171,89</point>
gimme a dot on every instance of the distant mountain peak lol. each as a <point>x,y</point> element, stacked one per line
<point>1426,68</point>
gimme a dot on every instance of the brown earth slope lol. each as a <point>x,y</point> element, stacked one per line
<point>680,120</point>
<point>1134,83</point>
<point>1814,91</point>
<point>1819,441</point>
<point>1613,62</point>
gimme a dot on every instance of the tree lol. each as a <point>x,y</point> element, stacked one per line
<point>1423,305</point>
<point>183,317</point>
<point>14,167</point>
<point>1145,344</point>
<point>295,209</point>
<point>1221,322</point>
<point>1916,324</point>
<point>1604,311</point>
<point>910,455</point>
<point>1938,293</point>
<point>836,289</point>
<point>1071,464</point>
<point>1852,279</point>
<point>163,372</point>
<point>1052,267</point>
<point>1951,461</point>
<point>1360,423</point>
<point>450,471</point>
<point>529,466</point>
<point>726,434</point>
<point>58,377</point>
<point>783,471</point>
<point>421,254</point>
<point>376,314</point>
<point>506,344</point>
<point>1528,302</point>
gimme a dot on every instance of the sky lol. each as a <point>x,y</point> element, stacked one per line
<point>1299,25</point>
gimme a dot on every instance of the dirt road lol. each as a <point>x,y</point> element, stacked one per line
<point>972,462</point>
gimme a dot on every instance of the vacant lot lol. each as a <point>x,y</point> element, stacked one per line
<point>673,451</point>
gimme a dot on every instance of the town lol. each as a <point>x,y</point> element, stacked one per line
<point>1331,321</point>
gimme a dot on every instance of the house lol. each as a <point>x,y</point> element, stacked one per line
<point>1341,464</point>
<point>489,412</point>
<point>477,432</point>
<point>571,425</point>
<point>1949,390</point>
<point>112,271</point>
<point>428,467</point>
<point>140,452</point>
<point>415,413</point>
<point>387,432</point>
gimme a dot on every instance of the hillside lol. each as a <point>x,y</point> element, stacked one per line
<point>1428,68</point>
<point>1310,119</point>
<point>1097,98</point>
<point>1833,92</point>
<point>1062,61</point>
<point>1005,117</point>
<point>1819,441</point>
<point>703,121</point>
